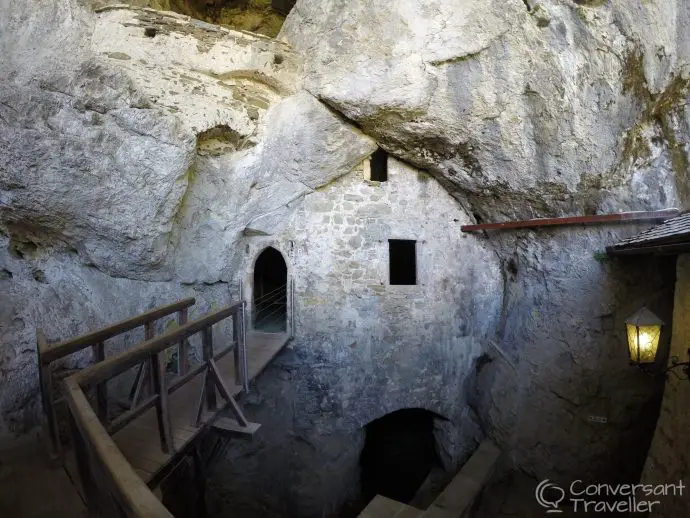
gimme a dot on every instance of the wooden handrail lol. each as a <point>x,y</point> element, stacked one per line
<point>61,349</point>
<point>112,366</point>
<point>134,493</point>
<point>48,353</point>
<point>94,447</point>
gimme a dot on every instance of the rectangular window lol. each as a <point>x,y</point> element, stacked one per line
<point>379,166</point>
<point>402,257</point>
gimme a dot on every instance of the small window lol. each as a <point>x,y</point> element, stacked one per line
<point>379,166</point>
<point>402,256</point>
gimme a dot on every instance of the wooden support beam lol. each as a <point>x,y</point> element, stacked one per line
<point>621,217</point>
<point>138,385</point>
<point>101,388</point>
<point>236,330</point>
<point>183,351</point>
<point>207,351</point>
<point>83,466</point>
<point>45,380</point>
<point>223,389</point>
<point>162,409</point>
<point>127,417</point>
<point>149,334</point>
<point>202,399</point>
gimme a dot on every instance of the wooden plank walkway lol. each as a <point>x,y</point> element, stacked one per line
<point>139,441</point>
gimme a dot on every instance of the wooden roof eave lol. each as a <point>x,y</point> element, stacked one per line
<point>650,249</point>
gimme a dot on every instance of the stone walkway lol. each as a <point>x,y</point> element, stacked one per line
<point>29,488</point>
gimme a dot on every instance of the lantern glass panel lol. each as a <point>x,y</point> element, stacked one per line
<point>648,342</point>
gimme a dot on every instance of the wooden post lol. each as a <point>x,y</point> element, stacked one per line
<point>82,457</point>
<point>162,409</point>
<point>149,332</point>
<point>207,349</point>
<point>101,388</point>
<point>243,347</point>
<point>45,379</point>
<point>202,399</point>
<point>183,360</point>
<point>138,385</point>
<point>236,331</point>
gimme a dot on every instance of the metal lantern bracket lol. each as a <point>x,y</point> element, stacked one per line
<point>675,363</point>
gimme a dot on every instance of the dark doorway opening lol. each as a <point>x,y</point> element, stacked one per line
<point>270,292</point>
<point>399,452</point>
<point>379,166</point>
<point>402,258</point>
<point>262,16</point>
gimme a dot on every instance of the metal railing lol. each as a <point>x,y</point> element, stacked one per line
<point>270,305</point>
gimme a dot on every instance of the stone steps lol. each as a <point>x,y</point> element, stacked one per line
<point>456,499</point>
<point>382,507</point>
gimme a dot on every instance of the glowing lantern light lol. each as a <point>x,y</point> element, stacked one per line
<point>644,331</point>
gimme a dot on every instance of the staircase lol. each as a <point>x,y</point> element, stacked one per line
<point>457,498</point>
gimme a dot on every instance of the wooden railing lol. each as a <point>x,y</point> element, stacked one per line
<point>111,486</point>
<point>49,353</point>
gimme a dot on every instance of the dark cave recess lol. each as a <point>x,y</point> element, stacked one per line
<point>399,452</point>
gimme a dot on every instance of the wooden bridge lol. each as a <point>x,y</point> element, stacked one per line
<point>121,456</point>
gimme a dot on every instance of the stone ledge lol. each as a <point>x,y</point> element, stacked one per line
<point>459,495</point>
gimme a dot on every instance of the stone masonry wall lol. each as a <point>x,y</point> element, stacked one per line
<point>363,348</point>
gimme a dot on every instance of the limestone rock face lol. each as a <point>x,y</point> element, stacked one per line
<point>522,109</point>
<point>90,166</point>
<point>51,289</point>
<point>77,138</point>
<point>145,156</point>
<point>526,109</point>
<point>302,146</point>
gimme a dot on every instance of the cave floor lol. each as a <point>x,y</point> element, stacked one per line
<point>30,488</point>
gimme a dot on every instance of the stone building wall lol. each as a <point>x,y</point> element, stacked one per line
<point>669,454</point>
<point>363,348</point>
<point>415,341</point>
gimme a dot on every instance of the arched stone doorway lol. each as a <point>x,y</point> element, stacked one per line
<point>399,453</point>
<point>270,292</point>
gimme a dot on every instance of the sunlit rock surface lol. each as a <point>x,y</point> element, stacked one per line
<point>561,107</point>
<point>147,156</point>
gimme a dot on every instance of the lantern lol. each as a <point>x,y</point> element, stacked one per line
<point>644,331</point>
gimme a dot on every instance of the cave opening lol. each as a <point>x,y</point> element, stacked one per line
<point>399,453</point>
<point>270,292</point>
<point>261,16</point>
